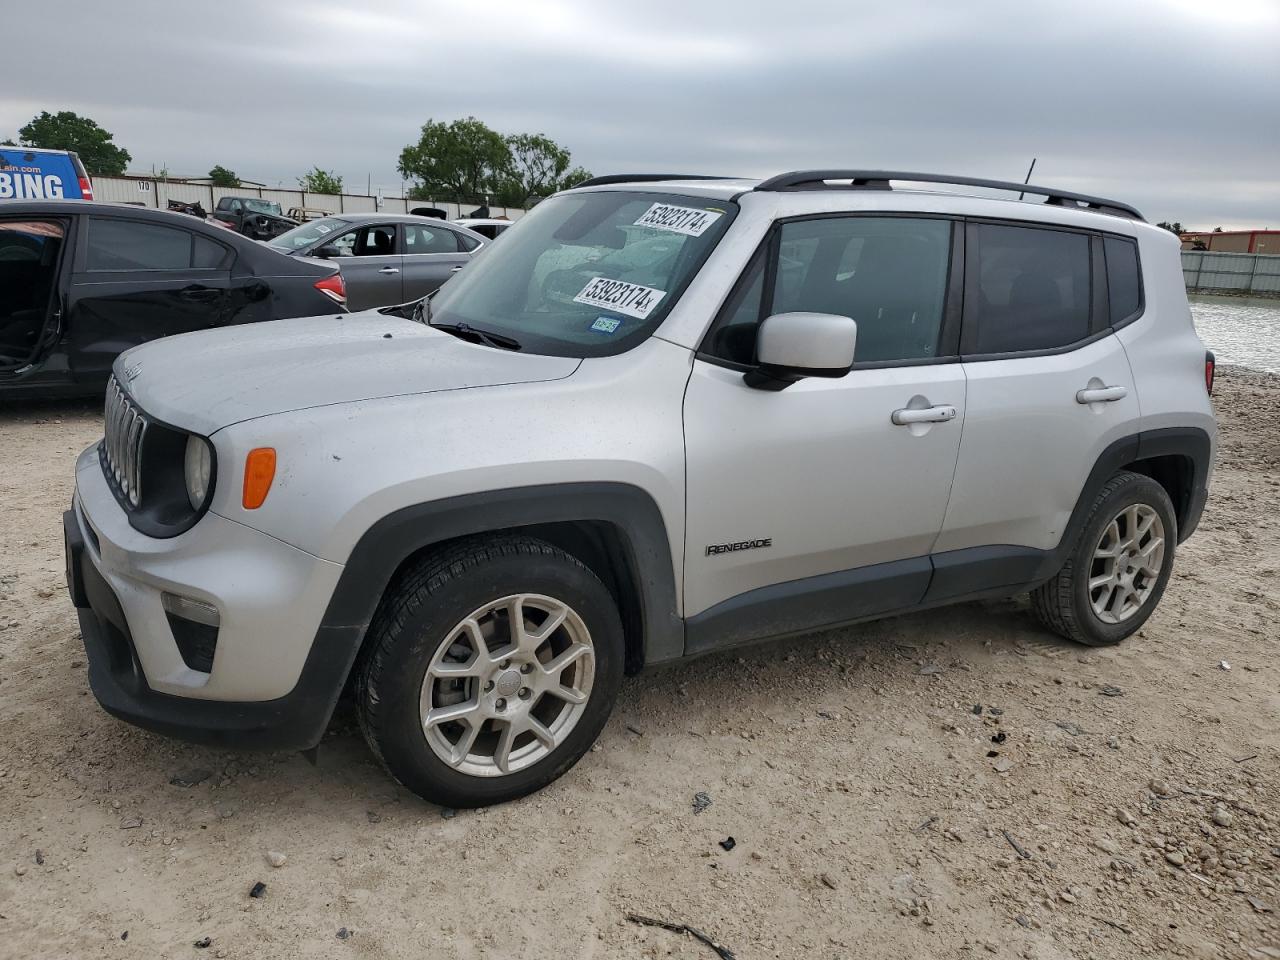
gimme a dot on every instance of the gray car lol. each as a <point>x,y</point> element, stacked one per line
<point>384,258</point>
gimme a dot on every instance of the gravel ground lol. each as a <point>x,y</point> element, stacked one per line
<point>1130,809</point>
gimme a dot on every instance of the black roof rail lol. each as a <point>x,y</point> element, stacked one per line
<point>645,178</point>
<point>880,180</point>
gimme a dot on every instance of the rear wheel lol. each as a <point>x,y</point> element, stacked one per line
<point>1119,567</point>
<point>491,670</point>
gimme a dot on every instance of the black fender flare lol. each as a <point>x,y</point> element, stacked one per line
<point>630,510</point>
<point>1190,442</point>
<point>1005,569</point>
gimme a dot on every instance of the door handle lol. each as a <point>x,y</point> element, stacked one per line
<point>906,416</point>
<point>198,293</point>
<point>1101,394</point>
<point>457,268</point>
<point>389,270</point>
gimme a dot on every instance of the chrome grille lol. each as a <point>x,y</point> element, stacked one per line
<point>126,428</point>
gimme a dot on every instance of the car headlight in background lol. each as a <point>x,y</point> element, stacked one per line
<point>198,470</point>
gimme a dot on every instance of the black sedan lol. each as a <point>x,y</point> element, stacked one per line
<point>81,282</point>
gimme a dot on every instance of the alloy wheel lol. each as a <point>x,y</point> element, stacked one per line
<point>1126,565</point>
<point>507,685</point>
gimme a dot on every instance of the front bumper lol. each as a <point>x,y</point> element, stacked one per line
<point>277,669</point>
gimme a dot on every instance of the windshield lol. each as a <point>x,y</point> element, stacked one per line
<point>586,274</point>
<point>262,206</point>
<point>308,233</point>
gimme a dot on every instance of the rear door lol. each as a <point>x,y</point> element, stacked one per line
<point>431,256</point>
<point>137,280</point>
<point>371,264</point>
<point>1049,389</point>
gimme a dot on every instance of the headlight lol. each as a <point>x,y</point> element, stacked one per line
<point>198,469</point>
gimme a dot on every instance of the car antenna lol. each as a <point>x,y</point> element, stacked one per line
<point>1027,178</point>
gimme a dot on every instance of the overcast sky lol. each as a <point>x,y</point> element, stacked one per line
<point>1172,105</point>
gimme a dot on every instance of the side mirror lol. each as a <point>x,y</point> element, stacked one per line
<point>326,252</point>
<point>791,346</point>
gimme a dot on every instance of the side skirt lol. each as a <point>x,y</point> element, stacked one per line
<point>867,593</point>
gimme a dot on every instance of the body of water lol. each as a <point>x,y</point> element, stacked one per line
<point>1240,331</point>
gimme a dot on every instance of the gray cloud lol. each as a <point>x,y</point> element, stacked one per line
<point>1173,105</point>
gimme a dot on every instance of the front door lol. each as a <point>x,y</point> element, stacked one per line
<point>371,264</point>
<point>821,502</point>
<point>31,254</point>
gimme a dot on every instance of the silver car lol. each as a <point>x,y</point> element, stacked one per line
<point>384,258</point>
<point>672,416</point>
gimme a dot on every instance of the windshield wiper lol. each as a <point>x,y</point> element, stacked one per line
<point>465,331</point>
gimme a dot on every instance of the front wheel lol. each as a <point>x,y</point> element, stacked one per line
<point>1119,567</point>
<point>491,669</point>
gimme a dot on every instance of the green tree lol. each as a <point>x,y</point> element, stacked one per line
<point>539,167</point>
<point>220,176</point>
<point>1174,227</point>
<point>68,131</point>
<point>320,181</point>
<point>464,161</point>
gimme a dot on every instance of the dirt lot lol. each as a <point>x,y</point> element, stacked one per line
<point>1131,810</point>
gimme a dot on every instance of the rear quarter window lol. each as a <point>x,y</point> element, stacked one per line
<point>1124,279</point>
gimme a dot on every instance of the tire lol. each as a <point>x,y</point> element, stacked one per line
<point>421,631</point>
<point>1067,605</point>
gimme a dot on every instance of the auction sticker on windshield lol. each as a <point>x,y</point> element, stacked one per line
<point>690,221</point>
<point>620,296</point>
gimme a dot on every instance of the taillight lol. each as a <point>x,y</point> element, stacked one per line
<point>1208,373</point>
<point>334,288</point>
<point>86,189</point>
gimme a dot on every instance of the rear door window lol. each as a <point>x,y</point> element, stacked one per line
<point>132,245</point>
<point>420,239</point>
<point>1029,288</point>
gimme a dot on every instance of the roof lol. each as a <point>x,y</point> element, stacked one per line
<point>23,149</point>
<point>807,181</point>
<point>358,219</point>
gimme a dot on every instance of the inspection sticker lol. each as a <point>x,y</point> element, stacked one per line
<point>606,324</point>
<point>690,221</point>
<point>620,296</point>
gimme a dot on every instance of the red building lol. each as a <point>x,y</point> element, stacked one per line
<point>1234,241</point>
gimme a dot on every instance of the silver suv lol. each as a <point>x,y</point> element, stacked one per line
<point>665,416</point>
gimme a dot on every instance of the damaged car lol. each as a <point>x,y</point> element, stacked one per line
<point>80,282</point>
<point>254,217</point>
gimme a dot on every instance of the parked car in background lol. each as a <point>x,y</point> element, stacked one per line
<point>81,282</point>
<point>306,214</point>
<point>384,258</point>
<point>254,217</point>
<point>488,227</point>
<point>30,173</point>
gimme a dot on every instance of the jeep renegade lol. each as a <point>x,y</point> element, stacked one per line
<point>662,416</point>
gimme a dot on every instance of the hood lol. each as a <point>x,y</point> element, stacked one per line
<point>208,380</point>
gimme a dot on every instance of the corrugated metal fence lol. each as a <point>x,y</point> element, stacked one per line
<point>1251,273</point>
<point>147,192</point>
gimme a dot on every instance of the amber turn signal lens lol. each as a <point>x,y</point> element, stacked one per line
<point>259,471</point>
